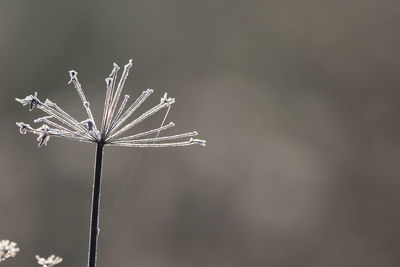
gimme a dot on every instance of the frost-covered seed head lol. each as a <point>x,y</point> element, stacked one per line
<point>7,249</point>
<point>115,69</point>
<point>112,127</point>
<point>31,100</point>
<point>44,135</point>
<point>167,100</point>
<point>73,76</point>
<point>109,81</point>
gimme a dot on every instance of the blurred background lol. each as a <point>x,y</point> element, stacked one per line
<point>298,101</point>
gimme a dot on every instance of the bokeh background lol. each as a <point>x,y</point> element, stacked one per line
<point>298,101</point>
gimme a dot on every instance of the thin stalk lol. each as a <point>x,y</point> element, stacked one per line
<point>94,219</point>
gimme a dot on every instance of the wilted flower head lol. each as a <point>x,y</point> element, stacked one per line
<point>113,124</point>
<point>7,249</point>
<point>49,262</point>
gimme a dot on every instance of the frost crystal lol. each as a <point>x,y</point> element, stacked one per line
<point>30,100</point>
<point>49,262</point>
<point>23,127</point>
<point>60,124</point>
<point>7,249</point>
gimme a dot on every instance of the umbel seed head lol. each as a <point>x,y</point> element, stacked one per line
<point>116,118</point>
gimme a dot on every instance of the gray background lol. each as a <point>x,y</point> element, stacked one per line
<point>299,103</point>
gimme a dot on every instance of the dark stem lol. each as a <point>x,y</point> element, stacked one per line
<point>94,219</point>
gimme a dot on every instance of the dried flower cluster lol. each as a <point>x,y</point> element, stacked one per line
<point>49,262</point>
<point>113,124</point>
<point>7,249</point>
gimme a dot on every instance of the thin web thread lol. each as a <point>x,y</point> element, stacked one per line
<point>129,178</point>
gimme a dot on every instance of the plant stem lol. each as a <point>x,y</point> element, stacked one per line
<point>94,220</point>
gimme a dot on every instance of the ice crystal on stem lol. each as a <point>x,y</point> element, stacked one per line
<point>49,262</point>
<point>59,123</point>
<point>7,249</point>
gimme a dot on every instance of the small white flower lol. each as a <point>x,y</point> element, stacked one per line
<point>112,126</point>
<point>7,249</point>
<point>49,262</point>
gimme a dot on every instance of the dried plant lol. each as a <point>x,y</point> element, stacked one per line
<point>7,249</point>
<point>49,262</point>
<point>113,118</point>
<point>109,134</point>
